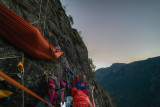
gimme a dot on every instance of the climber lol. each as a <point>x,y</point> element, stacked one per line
<point>82,85</point>
<point>5,91</point>
<point>45,96</point>
<point>58,48</point>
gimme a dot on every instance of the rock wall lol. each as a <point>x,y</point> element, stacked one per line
<point>58,32</point>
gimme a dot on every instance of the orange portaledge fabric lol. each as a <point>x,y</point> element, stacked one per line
<point>25,36</point>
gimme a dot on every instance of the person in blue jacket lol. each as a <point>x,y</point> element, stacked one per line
<point>82,85</point>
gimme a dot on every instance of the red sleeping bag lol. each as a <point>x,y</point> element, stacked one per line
<point>24,35</point>
<point>80,99</point>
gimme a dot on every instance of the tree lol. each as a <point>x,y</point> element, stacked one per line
<point>65,7</point>
<point>70,19</point>
<point>93,67</point>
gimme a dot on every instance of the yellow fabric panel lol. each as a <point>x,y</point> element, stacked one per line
<point>5,93</point>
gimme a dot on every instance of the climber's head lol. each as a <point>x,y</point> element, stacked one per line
<point>1,79</point>
<point>58,48</point>
<point>83,78</point>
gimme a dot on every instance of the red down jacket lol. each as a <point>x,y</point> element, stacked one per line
<point>80,99</point>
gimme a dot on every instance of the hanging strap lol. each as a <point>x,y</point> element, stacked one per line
<point>61,74</point>
<point>40,10</point>
<point>72,72</point>
<point>22,78</point>
<point>15,83</point>
<point>67,84</point>
<point>45,18</point>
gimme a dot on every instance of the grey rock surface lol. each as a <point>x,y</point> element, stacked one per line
<point>58,32</point>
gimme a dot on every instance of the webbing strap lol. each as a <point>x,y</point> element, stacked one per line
<point>61,74</point>
<point>10,57</point>
<point>15,83</point>
<point>22,81</point>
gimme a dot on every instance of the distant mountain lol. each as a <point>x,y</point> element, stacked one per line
<point>102,72</point>
<point>134,85</point>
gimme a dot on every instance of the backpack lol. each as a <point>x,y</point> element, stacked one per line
<point>68,101</point>
<point>62,87</point>
<point>56,90</point>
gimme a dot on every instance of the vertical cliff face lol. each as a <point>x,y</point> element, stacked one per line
<point>58,32</point>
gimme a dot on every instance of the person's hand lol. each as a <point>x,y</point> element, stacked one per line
<point>1,79</point>
<point>45,73</point>
<point>87,85</point>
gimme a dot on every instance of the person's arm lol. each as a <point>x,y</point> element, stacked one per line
<point>78,85</point>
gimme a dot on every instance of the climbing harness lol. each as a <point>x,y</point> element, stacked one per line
<point>20,67</point>
<point>21,70</point>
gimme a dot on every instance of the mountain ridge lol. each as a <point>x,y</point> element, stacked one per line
<point>136,83</point>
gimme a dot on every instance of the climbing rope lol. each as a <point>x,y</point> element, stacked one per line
<point>15,83</point>
<point>67,67</point>
<point>55,66</point>
<point>43,68</point>
<point>45,18</point>
<point>39,16</point>
<point>40,10</point>
<point>36,65</point>
<point>35,22</point>
<point>11,57</point>
<point>22,78</point>
<point>12,74</point>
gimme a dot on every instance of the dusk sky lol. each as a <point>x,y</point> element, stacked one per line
<point>117,30</point>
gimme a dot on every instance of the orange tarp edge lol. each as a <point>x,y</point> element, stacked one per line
<point>25,36</point>
<point>15,83</point>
